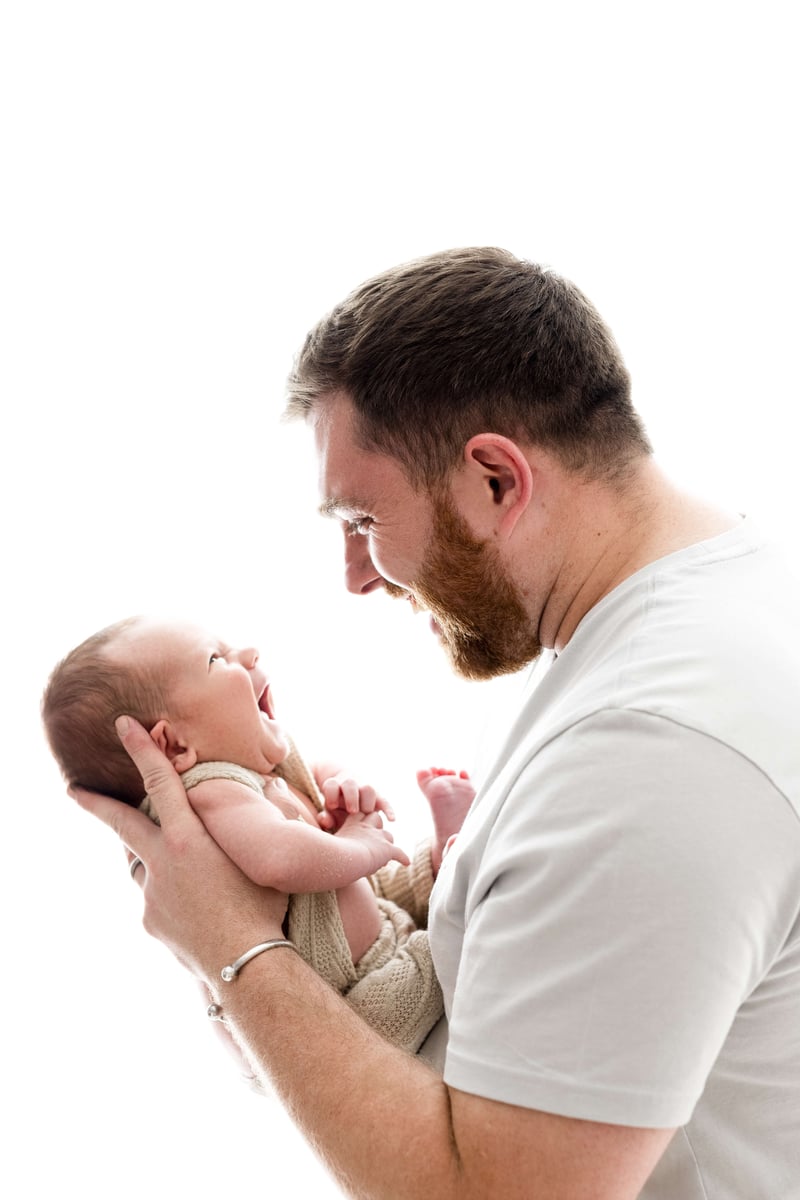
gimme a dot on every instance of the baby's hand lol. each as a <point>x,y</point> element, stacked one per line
<point>344,796</point>
<point>366,829</point>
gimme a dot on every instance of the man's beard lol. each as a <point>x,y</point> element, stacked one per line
<point>484,626</point>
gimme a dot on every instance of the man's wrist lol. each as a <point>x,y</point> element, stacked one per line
<point>230,972</point>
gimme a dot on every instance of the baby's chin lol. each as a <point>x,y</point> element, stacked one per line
<point>282,747</point>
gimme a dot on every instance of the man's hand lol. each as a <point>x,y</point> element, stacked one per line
<point>197,902</point>
<point>201,906</point>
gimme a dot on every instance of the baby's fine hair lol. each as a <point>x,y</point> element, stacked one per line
<point>85,694</point>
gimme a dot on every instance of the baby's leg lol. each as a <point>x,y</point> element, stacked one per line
<point>449,795</point>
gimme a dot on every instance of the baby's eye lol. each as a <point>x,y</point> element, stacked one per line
<point>214,658</point>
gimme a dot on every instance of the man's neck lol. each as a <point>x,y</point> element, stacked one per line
<point>614,532</point>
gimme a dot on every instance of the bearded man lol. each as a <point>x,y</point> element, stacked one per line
<point>616,928</point>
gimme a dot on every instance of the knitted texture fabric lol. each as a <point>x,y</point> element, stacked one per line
<point>293,770</point>
<point>409,887</point>
<point>393,986</point>
<point>398,993</point>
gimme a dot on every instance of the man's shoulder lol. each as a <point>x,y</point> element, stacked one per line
<point>708,639</point>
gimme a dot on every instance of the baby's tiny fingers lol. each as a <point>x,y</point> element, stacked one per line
<point>350,792</point>
<point>367,799</point>
<point>332,793</point>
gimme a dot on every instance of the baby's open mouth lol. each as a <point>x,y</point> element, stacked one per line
<point>265,702</point>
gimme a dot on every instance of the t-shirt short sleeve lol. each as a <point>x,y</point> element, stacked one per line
<point>617,913</point>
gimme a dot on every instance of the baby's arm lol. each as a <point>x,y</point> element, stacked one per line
<point>289,855</point>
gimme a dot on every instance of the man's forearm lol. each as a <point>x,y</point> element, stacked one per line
<point>386,1125</point>
<point>379,1117</point>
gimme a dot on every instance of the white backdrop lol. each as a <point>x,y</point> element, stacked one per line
<point>187,187</point>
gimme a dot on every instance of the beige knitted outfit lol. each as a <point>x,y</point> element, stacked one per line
<point>393,985</point>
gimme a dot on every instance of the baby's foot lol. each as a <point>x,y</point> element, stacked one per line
<point>449,794</point>
<point>440,784</point>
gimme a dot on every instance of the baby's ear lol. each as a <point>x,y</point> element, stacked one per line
<point>180,755</point>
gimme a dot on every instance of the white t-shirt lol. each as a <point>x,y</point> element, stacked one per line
<point>617,927</point>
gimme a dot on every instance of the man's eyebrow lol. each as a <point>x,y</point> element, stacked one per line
<point>335,505</point>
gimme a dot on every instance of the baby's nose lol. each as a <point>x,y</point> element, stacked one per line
<point>248,657</point>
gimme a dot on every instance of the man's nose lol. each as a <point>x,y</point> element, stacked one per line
<point>360,574</point>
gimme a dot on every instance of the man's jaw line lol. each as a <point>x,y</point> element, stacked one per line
<point>454,634</point>
<point>434,624</point>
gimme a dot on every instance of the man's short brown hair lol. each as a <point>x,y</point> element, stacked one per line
<point>471,341</point>
<point>86,692</point>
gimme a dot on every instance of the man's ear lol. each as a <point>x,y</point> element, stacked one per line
<point>503,475</point>
<point>179,754</point>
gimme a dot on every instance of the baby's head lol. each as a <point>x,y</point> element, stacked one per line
<point>201,701</point>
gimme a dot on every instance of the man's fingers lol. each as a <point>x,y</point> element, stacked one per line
<point>153,766</point>
<point>159,778</point>
<point>131,826</point>
<point>135,864</point>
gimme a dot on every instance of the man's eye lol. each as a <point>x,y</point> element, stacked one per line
<point>357,525</point>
